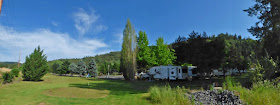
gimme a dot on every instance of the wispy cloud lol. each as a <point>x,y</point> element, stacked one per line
<point>119,38</point>
<point>86,21</point>
<point>55,45</point>
<point>54,23</point>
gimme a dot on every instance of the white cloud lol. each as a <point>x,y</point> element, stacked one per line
<point>55,45</point>
<point>86,21</point>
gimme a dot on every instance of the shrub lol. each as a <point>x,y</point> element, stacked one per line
<point>7,77</point>
<point>35,66</point>
<point>15,72</point>
<point>168,96</point>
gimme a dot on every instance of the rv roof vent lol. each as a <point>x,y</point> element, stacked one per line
<point>169,64</point>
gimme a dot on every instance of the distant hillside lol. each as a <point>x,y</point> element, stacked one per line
<point>108,57</point>
<point>8,63</point>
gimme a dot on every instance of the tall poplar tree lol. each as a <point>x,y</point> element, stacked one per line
<point>129,52</point>
<point>145,57</point>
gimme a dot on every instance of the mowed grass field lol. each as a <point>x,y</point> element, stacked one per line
<point>64,90</point>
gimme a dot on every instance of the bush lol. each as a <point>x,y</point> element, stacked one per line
<point>7,77</point>
<point>35,66</point>
<point>168,96</point>
<point>15,72</point>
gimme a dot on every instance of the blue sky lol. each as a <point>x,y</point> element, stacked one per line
<point>78,28</point>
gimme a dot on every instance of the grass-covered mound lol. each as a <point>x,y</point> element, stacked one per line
<point>74,92</point>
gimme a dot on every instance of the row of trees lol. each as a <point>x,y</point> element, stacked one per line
<point>136,54</point>
<point>79,68</point>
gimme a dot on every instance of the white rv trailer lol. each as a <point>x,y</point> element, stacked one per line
<point>172,72</point>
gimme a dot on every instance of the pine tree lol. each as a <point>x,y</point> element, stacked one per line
<point>65,67</point>
<point>268,26</point>
<point>73,68</point>
<point>144,55</point>
<point>81,67</point>
<point>129,52</point>
<point>55,67</point>
<point>35,66</point>
<point>92,69</point>
<point>164,54</point>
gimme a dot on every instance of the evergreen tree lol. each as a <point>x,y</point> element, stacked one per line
<point>164,54</point>
<point>128,52</point>
<point>268,26</point>
<point>73,68</point>
<point>92,69</point>
<point>55,67</point>
<point>35,66</point>
<point>81,67</point>
<point>145,57</point>
<point>65,67</point>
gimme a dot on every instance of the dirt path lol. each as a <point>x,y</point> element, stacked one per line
<point>5,70</point>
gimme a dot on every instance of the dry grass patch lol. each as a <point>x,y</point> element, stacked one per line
<point>74,92</point>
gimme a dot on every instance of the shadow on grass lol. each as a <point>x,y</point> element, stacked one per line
<point>122,87</point>
<point>116,87</point>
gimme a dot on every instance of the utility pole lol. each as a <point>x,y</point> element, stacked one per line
<point>108,71</point>
<point>1,2</point>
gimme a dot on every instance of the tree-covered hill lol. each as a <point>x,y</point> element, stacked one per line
<point>108,58</point>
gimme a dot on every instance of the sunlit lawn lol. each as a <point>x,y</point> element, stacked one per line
<point>44,92</point>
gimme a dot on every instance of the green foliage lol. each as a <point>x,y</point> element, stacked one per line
<point>145,58</point>
<point>267,28</point>
<point>265,68</point>
<point>167,96</point>
<point>92,69</point>
<point>73,68</point>
<point>15,72</point>
<point>64,67</point>
<point>81,67</point>
<point>55,68</point>
<point>35,66</point>
<point>7,77</point>
<point>200,50</point>
<point>256,75</point>
<point>164,54</point>
<point>129,52</point>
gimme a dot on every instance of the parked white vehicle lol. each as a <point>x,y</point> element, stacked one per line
<point>234,71</point>
<point>172,72</point>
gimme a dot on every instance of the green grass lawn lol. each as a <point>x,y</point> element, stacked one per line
<point>57,90</point>
<point>27,92</point>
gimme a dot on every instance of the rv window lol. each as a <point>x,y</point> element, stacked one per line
<point>184,69</point>
<point>179,70</point>
<point>172,72</point>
